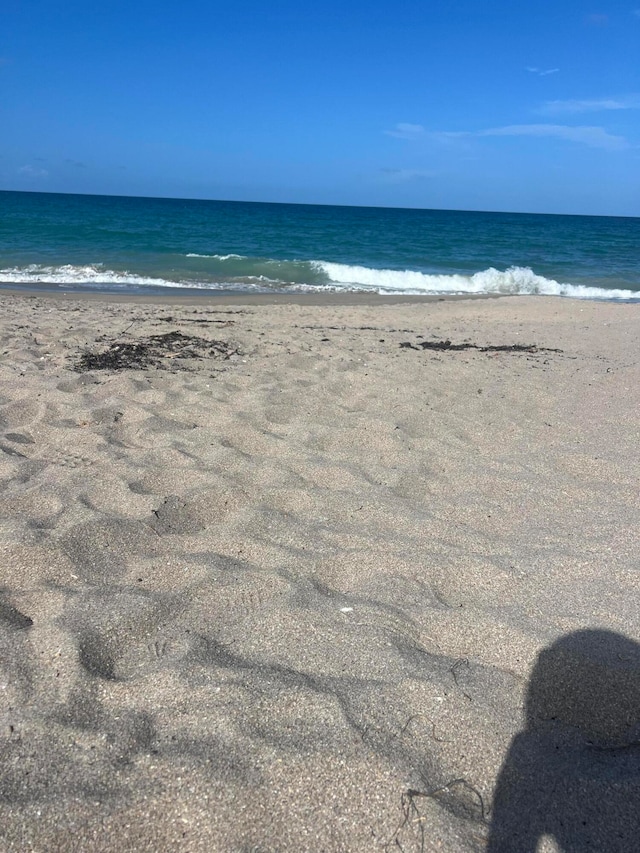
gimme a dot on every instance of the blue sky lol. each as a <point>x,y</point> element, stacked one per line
<point>486,105</point>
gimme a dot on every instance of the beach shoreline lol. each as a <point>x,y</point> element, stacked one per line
<point>179,295</point>
<point>304,573</point>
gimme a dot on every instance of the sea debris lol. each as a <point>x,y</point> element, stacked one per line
<point>447,345</point>
<point>157,351</point>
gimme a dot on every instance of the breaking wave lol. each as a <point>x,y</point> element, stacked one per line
<point>71,274</point>
<point>233,272</point>
<point>515,280</point>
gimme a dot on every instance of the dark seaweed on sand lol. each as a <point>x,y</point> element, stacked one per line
<point>157,351</point>
<point>442,346</point>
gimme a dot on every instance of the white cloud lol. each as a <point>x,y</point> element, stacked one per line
<point>417,131</point>
<point>626,102</point>
<point>400,176</point>
<point>542,72</point>
<point>404,130</point>
<point>32,171</point>
<point>448,136</point>
<point>594,137</point>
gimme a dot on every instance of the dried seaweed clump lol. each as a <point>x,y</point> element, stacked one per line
<point>444,346</point>
<point>158,351</point>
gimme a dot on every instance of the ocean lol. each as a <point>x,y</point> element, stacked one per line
<point>148,245</point>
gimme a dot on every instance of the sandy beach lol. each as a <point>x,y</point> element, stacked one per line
<point>319,575</point>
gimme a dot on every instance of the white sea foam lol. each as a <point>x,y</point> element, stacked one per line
<point>217,257</point>
<point>337,277</point>
<point>515,280</point>
<point>96,276</point>
<point>70,274</point>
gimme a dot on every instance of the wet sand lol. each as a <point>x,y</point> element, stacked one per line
<point>299,583</point>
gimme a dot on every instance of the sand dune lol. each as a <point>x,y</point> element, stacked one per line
<point>300,584</point>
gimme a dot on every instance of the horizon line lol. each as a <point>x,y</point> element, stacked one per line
<point>322,204</point>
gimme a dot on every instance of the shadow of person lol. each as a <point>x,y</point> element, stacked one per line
<point>573,774</point>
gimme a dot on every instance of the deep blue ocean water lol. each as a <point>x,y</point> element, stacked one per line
<point>135,245</point>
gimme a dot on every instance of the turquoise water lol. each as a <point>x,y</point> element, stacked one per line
<point>118,244</point>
